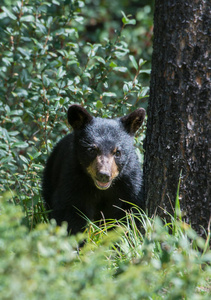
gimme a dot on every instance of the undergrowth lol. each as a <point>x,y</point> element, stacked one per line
<point>127,262</point>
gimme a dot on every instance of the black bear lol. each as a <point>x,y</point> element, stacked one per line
<point>93,169</point>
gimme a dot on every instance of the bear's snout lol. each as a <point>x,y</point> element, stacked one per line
<point>103,176</point>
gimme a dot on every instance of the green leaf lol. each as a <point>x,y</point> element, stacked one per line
<point>37,154</point>
<point>132,22</point>
<point>61,101</point>
<point>148,71</point>
<point>109,94</point>
<point>86,74</point>
<point>177,213</point>
<point>144,91</point>
<point>20,93</point>
<point>46,80</point>
<point>79,19</point>
<point>120,69</point>
<point>112,64</point>
<point>56,2</point>
<point>24,159</point>
<point>127,21</point>
<point>6,159</point>
<point>3,15</point>
<point>7,61</point>
<point>49,21</point>
<point>30,156</point>
<point>17,112</point>
<point>70,31</point>
<point>8,13</point>
<point>61,73</point>
<point>100,59</point>
<point>141,62</point>
<point>124,19</point>
<point>24,52</point>
<point>120,54</point>
<point>38,167</point>
<point>20,145</point>
<point>99,104</point>
<point>14,133</point>
<point>132,58</point>
<point>41,27</point>
<point>28,18</point>
<point>125,88</point>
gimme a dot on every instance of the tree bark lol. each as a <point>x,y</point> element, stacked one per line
<point>178,130</point>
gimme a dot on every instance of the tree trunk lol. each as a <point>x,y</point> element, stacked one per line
<point>178,129</point>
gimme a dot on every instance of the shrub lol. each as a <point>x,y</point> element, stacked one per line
<point>122,264</point>
<point>47,63</point>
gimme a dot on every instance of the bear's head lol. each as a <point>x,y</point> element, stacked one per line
<point>104,146</point>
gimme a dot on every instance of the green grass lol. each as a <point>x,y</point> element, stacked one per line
<point>128,262</point>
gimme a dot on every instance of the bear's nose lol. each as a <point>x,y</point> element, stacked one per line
<point>103,176</point>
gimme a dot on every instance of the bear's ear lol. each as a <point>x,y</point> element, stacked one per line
<point>133,121</point>
<point>78,117</point>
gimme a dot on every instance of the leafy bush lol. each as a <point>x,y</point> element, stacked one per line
<point>124,264</point>
<point>47,62</point>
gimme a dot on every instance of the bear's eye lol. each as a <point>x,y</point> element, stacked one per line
<point>92,150</point>
<point>117,153</point>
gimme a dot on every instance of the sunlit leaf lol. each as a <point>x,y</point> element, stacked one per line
<point>132,58</point>
<point>9,13</point>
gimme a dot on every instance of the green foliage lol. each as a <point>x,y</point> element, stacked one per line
<point>53,54</point>
<point>51,58</point>
<point>122,264</point>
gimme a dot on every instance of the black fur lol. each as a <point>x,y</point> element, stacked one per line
<point>67,185</point>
